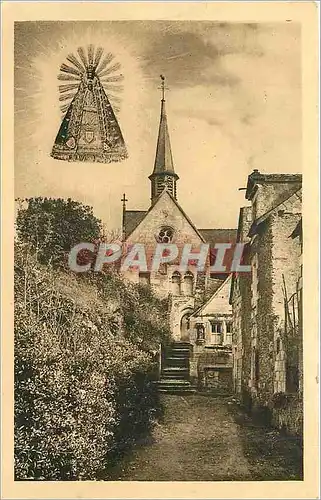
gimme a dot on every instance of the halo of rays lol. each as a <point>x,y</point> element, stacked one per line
<point>73,71</point>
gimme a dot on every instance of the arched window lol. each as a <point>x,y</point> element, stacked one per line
<point>185,327</point>
<point>188,283</point>
<point>176,283</point>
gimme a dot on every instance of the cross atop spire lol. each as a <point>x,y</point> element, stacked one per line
<point>124,199</point>
<point>163,175</point>
<point>162,87</point>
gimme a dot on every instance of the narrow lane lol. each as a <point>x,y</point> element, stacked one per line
<point>199,439</point>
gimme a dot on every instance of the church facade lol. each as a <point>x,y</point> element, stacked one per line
<point>189,290</point>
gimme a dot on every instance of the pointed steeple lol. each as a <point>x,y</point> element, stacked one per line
<point>163,176</point>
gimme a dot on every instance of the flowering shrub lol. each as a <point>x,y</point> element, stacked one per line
<point>83,370</point>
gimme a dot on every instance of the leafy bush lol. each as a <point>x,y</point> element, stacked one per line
<point>53,226</point>
<point>83,370</point>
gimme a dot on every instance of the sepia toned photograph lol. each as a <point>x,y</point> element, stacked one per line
<point>159,251</point>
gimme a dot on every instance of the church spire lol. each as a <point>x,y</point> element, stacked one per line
<point>163,176</point>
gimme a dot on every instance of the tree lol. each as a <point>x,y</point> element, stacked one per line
<point>53,226</point>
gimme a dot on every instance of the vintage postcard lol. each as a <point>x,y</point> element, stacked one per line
<point>160,250</point>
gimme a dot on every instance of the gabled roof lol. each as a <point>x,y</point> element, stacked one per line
<point>213,236</point>
<point>200,309</point>
<point>256,178</point>
<point>263,217</point>
<point>143,215</point>
<point>131,220</point>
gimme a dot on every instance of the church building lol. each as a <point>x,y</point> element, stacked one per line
<point>165,221</point>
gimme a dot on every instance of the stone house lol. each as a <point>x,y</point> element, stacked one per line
<point>267,342</point>
<point>240,300</point>
<point>211,336</point>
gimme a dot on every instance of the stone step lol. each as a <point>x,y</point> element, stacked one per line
<point>176,369</point>
<point>177,390</point>
<point>176,376</point>
<point>182,383</point>
<point>178,353</point>
<point>176,361</point>
<point>175,386</point>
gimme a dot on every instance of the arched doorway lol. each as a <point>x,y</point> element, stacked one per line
<point>185,327</point>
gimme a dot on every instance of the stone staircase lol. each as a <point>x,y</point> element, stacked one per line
<point>174,377</point>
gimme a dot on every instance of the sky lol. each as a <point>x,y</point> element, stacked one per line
<point>233,104</point>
